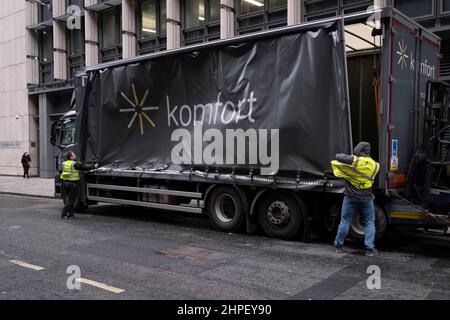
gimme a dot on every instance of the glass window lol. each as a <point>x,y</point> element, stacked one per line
<point>195,13</point>
<point>76,41</point>
<point>277,3</point>
<point>251,6</point>
<point>110,29</point>
<point>149,28</point>
<point>163,17</point>
<point>47,46</point>
<point>415,8</point>
<point>445,5</point>
<point>214,10</point>
<point>149,18</point>
<point>68,133</point>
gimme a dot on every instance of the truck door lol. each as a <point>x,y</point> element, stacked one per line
<point>413,59</point>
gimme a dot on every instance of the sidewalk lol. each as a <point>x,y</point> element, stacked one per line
<point>35,187</point>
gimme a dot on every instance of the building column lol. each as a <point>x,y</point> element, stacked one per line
<point>173,24</point>
<point>59,41</point>
<point>227,19</point>
<point>32,43</point>
<point>295,12</point>
<point>128,29</point>
<point>46,152</point>
<point>91,34</point>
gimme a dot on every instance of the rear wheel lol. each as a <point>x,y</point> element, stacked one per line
<point>357,228</point>
<point>280,215</point>
<point>226,209</point>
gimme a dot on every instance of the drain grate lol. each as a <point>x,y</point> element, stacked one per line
<point>195,254</point>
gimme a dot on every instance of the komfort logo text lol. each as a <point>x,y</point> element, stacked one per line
<point>408,61</point>
<point>248,146</point>
<point>193,145</point>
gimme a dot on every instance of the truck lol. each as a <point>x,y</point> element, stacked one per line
<point>244,129</point>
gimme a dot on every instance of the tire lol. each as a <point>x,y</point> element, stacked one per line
<point>226,209</point>
<point>280,214</point>
<point>331,220</point>
<point>357,227</point>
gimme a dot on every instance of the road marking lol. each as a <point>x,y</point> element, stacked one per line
<point>100,285</point>
<point>27,265</point>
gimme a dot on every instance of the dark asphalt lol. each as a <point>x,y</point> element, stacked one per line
<point>160,255</point>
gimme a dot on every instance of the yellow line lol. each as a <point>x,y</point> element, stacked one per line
<point>26,265</point>
<point>136,101</point>
<point>407,215</point>
<point>142,124</point>
<point>149,120</point>
<point>144,98</point>
<point>100,285</point>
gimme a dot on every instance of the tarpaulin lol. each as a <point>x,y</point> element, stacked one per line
<point>278,103</point>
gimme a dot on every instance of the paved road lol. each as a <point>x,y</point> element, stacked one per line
<point>129,253</point>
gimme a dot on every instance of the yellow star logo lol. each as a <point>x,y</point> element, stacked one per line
<point>138,109</point>
<point>402,54</point>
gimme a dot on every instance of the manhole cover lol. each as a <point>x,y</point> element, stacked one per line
<point>195,254</point>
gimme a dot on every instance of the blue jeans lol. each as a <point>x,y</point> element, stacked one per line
<point>366,209</point>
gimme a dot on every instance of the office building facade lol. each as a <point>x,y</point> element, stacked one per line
<point>43,43</point>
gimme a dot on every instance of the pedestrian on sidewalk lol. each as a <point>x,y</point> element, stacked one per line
<point>26,164</point>
<point>70,177</point>
<point>359,170</point>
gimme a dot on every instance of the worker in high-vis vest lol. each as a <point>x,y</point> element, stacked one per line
<point>359,170</point>
<point>70,176</point>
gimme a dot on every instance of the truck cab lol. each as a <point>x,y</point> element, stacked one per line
<point>63,133</point>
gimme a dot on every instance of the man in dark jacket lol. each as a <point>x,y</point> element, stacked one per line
<point>359,171</point>
<point>70,177</point>
<point>26,164</point>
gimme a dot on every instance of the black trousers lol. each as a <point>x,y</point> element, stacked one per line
<point>70,196</point>
<point>26,169</point>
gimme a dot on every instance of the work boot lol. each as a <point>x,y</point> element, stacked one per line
<point>372,253</point>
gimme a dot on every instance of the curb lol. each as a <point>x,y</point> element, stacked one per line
<point>27,195</point>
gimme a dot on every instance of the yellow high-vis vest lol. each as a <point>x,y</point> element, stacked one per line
<point>69,172</point>
<point>361,173</point>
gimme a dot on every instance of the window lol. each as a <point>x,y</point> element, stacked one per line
<point>153,18</point>
<point>68,133</point>
<point>201,20</point>
<point>151,25</point>
<point>46,56</point>
<point>251,6</point>
<point>110,35</point>
<point>445,5</point>
<point>75,50</point>
<point>415,8</point>
<point>320,9</point>
<point>45,11</point>
<point>110,30</point>
<point>257,15</point>
<point>194,13</point>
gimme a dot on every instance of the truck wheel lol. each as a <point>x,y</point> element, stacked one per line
<point>280,215</point>
<point>226,209</point>
<point>331,220</point>
<point>357,227</point>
